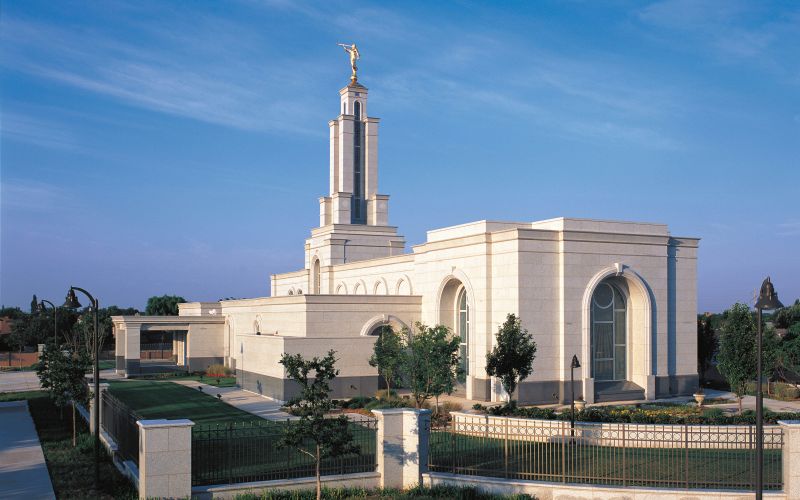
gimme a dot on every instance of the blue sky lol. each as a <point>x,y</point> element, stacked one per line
<point>180,147</point>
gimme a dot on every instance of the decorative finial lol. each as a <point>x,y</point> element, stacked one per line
<point>352,50</point>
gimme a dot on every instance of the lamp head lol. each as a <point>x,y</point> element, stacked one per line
<point>72,300</point>
<point>768,297</point>
<point>575,362</point>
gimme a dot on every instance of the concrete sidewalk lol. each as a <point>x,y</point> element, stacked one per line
<point>23,472</point>
<point>253,403</point>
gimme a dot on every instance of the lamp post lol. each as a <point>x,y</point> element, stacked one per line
<point>72,303</point>
<point>40,307</point>
<point>767,299</point>
<point>575,364</point>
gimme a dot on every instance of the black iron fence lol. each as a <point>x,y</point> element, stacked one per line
<point>250,451</point>
<point>119,422</point>
<point>666,456</point>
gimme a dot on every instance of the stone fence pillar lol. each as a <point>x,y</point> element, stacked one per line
<point>791,457</point>
<point>402,447</point>
<point>165,458</point>
<point>92,409</point>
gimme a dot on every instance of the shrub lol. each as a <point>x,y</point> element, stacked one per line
<point>218,370</point>
<point>382,394</point>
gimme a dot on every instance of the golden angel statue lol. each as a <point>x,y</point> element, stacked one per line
<point>352,50</point>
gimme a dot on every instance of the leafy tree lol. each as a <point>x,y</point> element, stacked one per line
<point>430,366</point>
<point>313,434</point>
<point>388,355</point>
<point>785,317</point>
<point>165,305</point>
<point>511,359</point>
<point>706,346</point>
<point>61,373</point>
<point>737,349</point>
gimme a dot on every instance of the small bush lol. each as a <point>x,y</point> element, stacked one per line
<point>218,370</point>
<point>382,394</point>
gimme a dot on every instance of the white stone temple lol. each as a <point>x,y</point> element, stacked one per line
<point>619,295</point>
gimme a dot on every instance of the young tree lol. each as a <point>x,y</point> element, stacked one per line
<point>511,359</point>
<point>706,345</point>
<point>313,434</point>
<point>387,355</point>
<point>737,349</point>
<point>430,366</point>
<point>62,374</point>
<point>165,305</point>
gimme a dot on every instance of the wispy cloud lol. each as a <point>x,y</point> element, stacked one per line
<point>732,31</point>
<point>227,91</point>
<point>791,228</point>
<point>32,196</point>
<point>32,130</point>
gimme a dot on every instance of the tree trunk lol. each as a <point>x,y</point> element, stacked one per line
<point>319,481</point>
<point>436,412</point>
<point>74,428</point>
<point>740,404</point>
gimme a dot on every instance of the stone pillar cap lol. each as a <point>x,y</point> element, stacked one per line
<point>392,411</point>
<point>162,422</point>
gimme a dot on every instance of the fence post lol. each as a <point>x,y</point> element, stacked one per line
<point>165,458</point>
<point>791,457</point>
<point>402,446</point>
<point>563,452</point>
<point>686,452</point>
<point>92,409</point>
<point>505,448</point>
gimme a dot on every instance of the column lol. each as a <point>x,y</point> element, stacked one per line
<point>132,352</point>
<point>791,457</point>
<point>402,447</point>
<point>119,349</point>
<point>165,458</point>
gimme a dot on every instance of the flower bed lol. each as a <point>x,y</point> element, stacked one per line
<point>642,414</point>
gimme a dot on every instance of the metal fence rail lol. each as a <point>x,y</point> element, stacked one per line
<point>249,451</point>
<point>667,456</point>
<point>119,422</point>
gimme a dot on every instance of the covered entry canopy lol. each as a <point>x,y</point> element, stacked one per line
<point>200,341</point>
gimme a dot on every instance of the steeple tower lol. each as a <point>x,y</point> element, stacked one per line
<point>354,197</point>
<point>353,218</point>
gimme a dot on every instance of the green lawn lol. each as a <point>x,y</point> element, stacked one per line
<point>554,461</point>
<point>152,399</point>
<point>71,468</point>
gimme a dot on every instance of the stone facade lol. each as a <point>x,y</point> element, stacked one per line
<point>552,273</point>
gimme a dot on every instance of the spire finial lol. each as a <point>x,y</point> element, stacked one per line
<point>352,50</point>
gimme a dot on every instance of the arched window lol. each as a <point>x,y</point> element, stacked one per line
<point>344,108</point>
<point>609,333</point>
<point>462,327</point>
<point>357,110</point>
<point>316,276</point>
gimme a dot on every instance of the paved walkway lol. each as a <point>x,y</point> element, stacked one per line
<point>23,472</point>
<point>253,403</point>
<point>19,381</point>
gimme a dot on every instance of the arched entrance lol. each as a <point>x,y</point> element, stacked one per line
<point>617,331</point>
<point>609,333</point>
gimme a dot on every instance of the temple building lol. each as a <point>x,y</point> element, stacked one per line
<point>619,295</point>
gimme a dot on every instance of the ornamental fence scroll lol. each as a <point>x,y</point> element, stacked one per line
<point>667,456</point>
<point>119,422</point>
<point>250,451</point>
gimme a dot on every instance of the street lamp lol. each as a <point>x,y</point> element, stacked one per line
<point>575,364</point>
<point>767,299</point>
<point>72,303</point>
<point>40,308</point>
